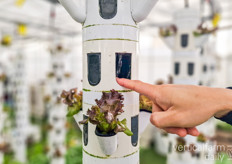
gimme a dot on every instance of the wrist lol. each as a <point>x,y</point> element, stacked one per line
<point>226,105</point>
<point>222,113</point>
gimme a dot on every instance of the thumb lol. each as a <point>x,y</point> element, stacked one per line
<point>164,119</point>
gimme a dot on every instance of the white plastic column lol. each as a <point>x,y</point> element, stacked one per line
<point>57,112</point>
<point>2,115</point>
<point>110,33</point>
<point>22,109</point>
<point>185,53</point>
<point>209,127</point>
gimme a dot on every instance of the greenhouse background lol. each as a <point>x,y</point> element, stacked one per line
<point>41,55</point>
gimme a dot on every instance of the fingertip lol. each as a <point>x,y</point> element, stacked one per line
<point>193,132</point>
<point>196,133</point>
<point>119,80</point>
<point>182,133</point>
<point>122,81</point>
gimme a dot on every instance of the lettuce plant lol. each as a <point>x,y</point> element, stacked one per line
<point>202,138</point>
<point>2,77</point>
<point>5,148</point>
<point>145,103</point>
<point>204,30</point>
<point>73,100</point>
<point>105,114</point>
<point>168,31</point>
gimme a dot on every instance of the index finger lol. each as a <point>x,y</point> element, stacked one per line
<point>138,86</point>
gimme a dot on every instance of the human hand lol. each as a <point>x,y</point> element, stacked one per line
<point>178,109</point>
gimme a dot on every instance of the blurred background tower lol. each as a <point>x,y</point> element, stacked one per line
<point>57,111</point>
<point>22,113</point>
<point>2,113</point>
<point>186,56</point>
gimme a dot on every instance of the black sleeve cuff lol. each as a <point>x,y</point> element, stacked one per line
<point>227,118</point>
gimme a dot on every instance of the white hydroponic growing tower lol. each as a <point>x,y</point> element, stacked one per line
<point>186,56</point>
<point>57,111</point>
<point>2,114</point>
<point>187,69</point>
<point>208,69</point>
<point>208,65</point>
<point>22,112</point>
<point>110,48</point>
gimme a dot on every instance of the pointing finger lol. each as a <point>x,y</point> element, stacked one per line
<point>138,86</point>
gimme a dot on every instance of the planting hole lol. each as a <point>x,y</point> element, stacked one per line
<point>94,68</point>
<point>184,40</point>
<point>123,65</point>
<point>190,69</point>
<point>205,68</point>
<point>85,132</point>
<point>177,68</point>
<point>135,130</point>
<point>108,8</point>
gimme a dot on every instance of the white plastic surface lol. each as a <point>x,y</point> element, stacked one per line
<point>144,120</point>
<point>76,8</point>
<point>108,144</point>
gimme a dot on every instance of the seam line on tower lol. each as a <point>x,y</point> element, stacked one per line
<point>92,25</point>
<point>111,39</point>
<point>107,157</point>
<point>120,91</point>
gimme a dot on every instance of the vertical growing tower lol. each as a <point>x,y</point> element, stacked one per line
<point>2,115</point>
<point>22,109</point>
<point>186,56</point>
<point>57,112</point>
<point>110,48</point>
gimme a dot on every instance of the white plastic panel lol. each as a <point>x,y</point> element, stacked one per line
<point>130,98</point>
<point>113,31</point>
<point>108,49</point>
<point>76,8</point>
<point>144,120</point>
<point>187,19</point>
<point>201,40</point>
<point>184,59</point>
